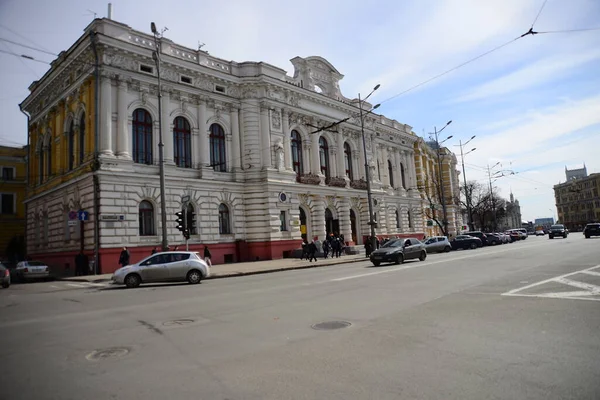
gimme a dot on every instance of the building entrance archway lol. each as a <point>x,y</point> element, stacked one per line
<point>331,225</point>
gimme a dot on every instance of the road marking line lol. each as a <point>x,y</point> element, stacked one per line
<point>548,280</point>
<point>53,286</point>
<point>423,264</point>
<point>591,273</point>
<point>75,285</point>
<point>588,286</point>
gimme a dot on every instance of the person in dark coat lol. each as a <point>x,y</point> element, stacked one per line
<point>124,257</point>
<point>368,247</point>
<point>326,248</point>
<point>153,251</point>
<point>207,256</point>
<point>82,264</point>
<point>312,250</point>
<point>304,250</point>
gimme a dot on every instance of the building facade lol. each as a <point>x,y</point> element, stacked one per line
<point>513,218</point>
<point>578,199</point>
<point>13,183</point>
<point>241,142</point>
<point>430,188</point>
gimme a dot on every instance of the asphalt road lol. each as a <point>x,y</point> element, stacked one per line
<point>517,321</point>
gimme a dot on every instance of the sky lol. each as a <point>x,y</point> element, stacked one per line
<point>533,104</point>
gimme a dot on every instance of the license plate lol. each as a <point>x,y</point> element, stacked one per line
<point>377,257</point>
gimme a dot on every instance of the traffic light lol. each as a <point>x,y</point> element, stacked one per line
<point>180,221</point>
<point>191,222</point>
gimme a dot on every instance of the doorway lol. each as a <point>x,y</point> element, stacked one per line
<point>331,225</point>
<point>353,227</point>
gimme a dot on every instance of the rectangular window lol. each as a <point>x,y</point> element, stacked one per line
<point>7,203</point>
<point>220,89</point>
<point>282,222</point>
<point>8,173</point>
<point>186,79</point>
<point>146,68</point>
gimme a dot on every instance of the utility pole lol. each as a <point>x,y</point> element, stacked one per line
<point>440,175</point>
<point>161,145</point>
<point>467,194</point>
<point>489,171</point>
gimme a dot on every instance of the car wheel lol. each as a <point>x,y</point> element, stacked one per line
<point>5,285</point>
<point>550,237</point>
<point>423,256</point>
<point>399,259</point>
<point>133,280</point>
<point>194,276</point>
<point>447,249</point>
<point>587,236</point>
<point>473,246</point>
<point>376,263</point>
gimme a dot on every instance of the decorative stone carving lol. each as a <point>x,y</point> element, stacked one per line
<point>310,179</point>
<point>120,61</point>
<point>337,182</point>
<point>276,120</point>
<point>303,198</point>
<point>250,92</point>
<point>203,83</point>
<point>169,75</point>
<point>233,91</point>
<point>359,184</point>
<point>278,146</point>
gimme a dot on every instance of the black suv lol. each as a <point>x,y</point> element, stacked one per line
<point>482,236</point>
<point>591,230</point>
<point>557,230</point>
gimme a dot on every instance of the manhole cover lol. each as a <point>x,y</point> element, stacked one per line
<point>176,322</point>
<point>110,353</point>
<point>331,325</point>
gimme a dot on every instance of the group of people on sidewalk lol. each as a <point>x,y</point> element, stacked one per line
<point>334,244</point>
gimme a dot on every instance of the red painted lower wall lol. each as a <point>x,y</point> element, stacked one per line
<point>63,263</point>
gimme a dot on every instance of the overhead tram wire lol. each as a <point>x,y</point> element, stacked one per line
<point>538,14</point>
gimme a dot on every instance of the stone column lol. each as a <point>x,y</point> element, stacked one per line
<point>203,136</point>
<point>235,139</point>
<point>314,155</point>
<point>287,146</point>
<point>167,132</point>
<point>124,138</point>
<point>306,157</point>
<point>344,218</point>
<point>357,168</point>
<point>361,167</point>
<point>106,117</point>
<point>341,160</point>
<point>385,174</point>
<point>333,162</point>
<point>317,216</point>
<point>265,135</point>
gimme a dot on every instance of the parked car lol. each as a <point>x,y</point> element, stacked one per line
<point>540,232</point>
<point>170,266</point>
<point>482,236</point>
<point>399,250</point>
<point>29,270</point>
<point>592,229</point>
<point>493,238</point>
<point>517,234</point>
<point>4,276</point>
<point>558,230</point>
<point>465,242</point>
<point>437,244</point>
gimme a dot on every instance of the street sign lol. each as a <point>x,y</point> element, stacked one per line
<point>72,214</point>
<point>72,222</point>
<point>82,215</point>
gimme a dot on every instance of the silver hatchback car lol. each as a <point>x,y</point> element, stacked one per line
<point>437,244</point>
<point>170,266</point>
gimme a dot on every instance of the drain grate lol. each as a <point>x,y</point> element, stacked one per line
<point>178,322</point>
<point>331,325</point>
<point>106,354</point>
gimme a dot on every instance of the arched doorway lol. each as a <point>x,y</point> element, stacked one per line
<point>303,226</point>
<point>353,226</point>
<point>331,225</point>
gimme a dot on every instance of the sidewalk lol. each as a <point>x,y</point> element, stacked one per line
<point>246,268</point>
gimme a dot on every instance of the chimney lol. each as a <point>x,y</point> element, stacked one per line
<point>110,11</point>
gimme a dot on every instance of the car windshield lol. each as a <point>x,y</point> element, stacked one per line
<point>557,227</point>
<point>35,264</point>
<point>393,243</point>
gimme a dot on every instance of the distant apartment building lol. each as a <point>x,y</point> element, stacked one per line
<point>578,199</point>
<point>13,183</point>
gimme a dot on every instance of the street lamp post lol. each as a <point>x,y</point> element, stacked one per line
<point>467,195</point>
<point>367,177</point>
<point>161,166</point>
<point>440,177</point>
<point>490,175</point>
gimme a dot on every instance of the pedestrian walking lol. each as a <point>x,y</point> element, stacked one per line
<point>124,257</point>
<point>304,250</point>
<point>207,256</point>
<point>326,248</point>
<point>153,251</point>
<point>368,247</point>
<point>312,249</point>
<point>176,248</point>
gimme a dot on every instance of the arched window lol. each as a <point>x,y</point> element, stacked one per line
<point>49,158</point>
<point>81,138</point>
<point>182,141</point>
<point>191,220</point>
<point>402,176</point>
<point>224,222</point>
<point>71,150</point>
<point>217,148</point>
<point>41,166</point>
<point>142,136</point>
<point>297,153</point>
<point>391,173</point>
<point>348,159</point>
<point>146,218</point>
<point>324,156</point>
<point>397,219</point>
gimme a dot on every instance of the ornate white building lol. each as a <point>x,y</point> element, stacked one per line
<point>238,140</point>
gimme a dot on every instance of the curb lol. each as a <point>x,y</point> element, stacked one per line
<point>235,273</point>
<point>290,268</point>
